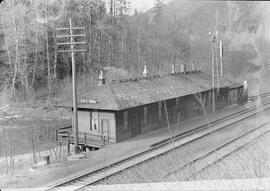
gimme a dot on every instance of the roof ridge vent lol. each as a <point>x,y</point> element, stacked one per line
<point>193,66</point>
<point>101,78</point>
<point>145,72</point>
<point>173,69</point>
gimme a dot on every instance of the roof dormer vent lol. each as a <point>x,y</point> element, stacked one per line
<point>145,72</point>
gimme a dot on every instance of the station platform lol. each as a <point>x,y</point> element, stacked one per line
<point>111,153</point>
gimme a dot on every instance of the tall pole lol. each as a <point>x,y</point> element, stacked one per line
<point>217,66</point>
<point>216,54</point>
<point>213,77</point>
<point>71,43</point>
<point>221,58</point>
<point>139,50</point>
<point>74,92</point>
<point>213,40</point>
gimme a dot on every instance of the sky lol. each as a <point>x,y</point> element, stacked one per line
<point>143,5</point>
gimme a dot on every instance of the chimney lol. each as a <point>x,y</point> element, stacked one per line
<point>245,84</point>
<point>101,79</point>
<point>145,72</point>
<point>183,68</point>
<point>173,69</point>
<point>220,49</point>
<point>193,66</point>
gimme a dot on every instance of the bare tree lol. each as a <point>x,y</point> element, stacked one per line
<point>33,140</point>
<point>47,51</point>
<point>5,147</point>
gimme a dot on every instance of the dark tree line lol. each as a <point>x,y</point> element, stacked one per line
<point>116,36</point>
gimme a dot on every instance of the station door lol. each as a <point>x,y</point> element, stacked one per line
<point>135,122</point>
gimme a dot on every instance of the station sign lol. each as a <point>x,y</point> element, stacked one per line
<point>88,101</point>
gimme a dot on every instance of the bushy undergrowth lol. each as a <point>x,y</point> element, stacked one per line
<point>19,137</point>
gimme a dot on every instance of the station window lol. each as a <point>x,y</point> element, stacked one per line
<point>159,110</point>
<point>211,95</point>
<point>105,127</point>
<point>194,106</point>
<point>177,105</point>
<point>177,102</point>
<point>95,125</point>
<point>145,115</point>
<point>232,96</point>
<point>236,95</point>
<point>125,120</point>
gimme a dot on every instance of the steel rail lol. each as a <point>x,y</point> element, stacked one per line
<point>239,148</point>
<point>222,146</point>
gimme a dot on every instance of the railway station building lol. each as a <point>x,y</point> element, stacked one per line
<point>127,108</point>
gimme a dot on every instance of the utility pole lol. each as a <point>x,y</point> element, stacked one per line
<point>139,49</point>
<point>213,40</point>
<point>221,58</point>
<point>69,41</point>
<point>217,67</point>
<point>216,53</point>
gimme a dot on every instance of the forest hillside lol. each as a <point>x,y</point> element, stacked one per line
<point>122,40</point>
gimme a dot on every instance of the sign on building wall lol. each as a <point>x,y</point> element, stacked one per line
<point>88,101</point>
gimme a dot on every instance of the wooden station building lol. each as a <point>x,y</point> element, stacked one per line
<point>128,108</point>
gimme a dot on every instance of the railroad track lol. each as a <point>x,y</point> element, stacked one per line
<point>84,180</point>
<point>207,159</point>
<point>266,94</point>
<point>233,151</point>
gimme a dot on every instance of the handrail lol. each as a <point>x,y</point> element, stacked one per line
<point>66,127</point>
<point>84,138</point>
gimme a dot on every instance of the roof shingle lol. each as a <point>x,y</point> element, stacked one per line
<point>133,93</point>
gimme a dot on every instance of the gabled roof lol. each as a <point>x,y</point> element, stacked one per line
<point>133,93</point>
<point>205,80</point>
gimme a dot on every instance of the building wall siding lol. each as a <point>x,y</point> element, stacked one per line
<point>84,123</point>
<point>121,134</point>
<point>112,128</point>
<point>178,109</point>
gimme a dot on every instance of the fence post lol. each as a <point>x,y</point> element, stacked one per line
<point>103,141</point>
<point>68,146</point>
<point>56,135</point>
<point>60,150</point>
<point>85,140</point>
